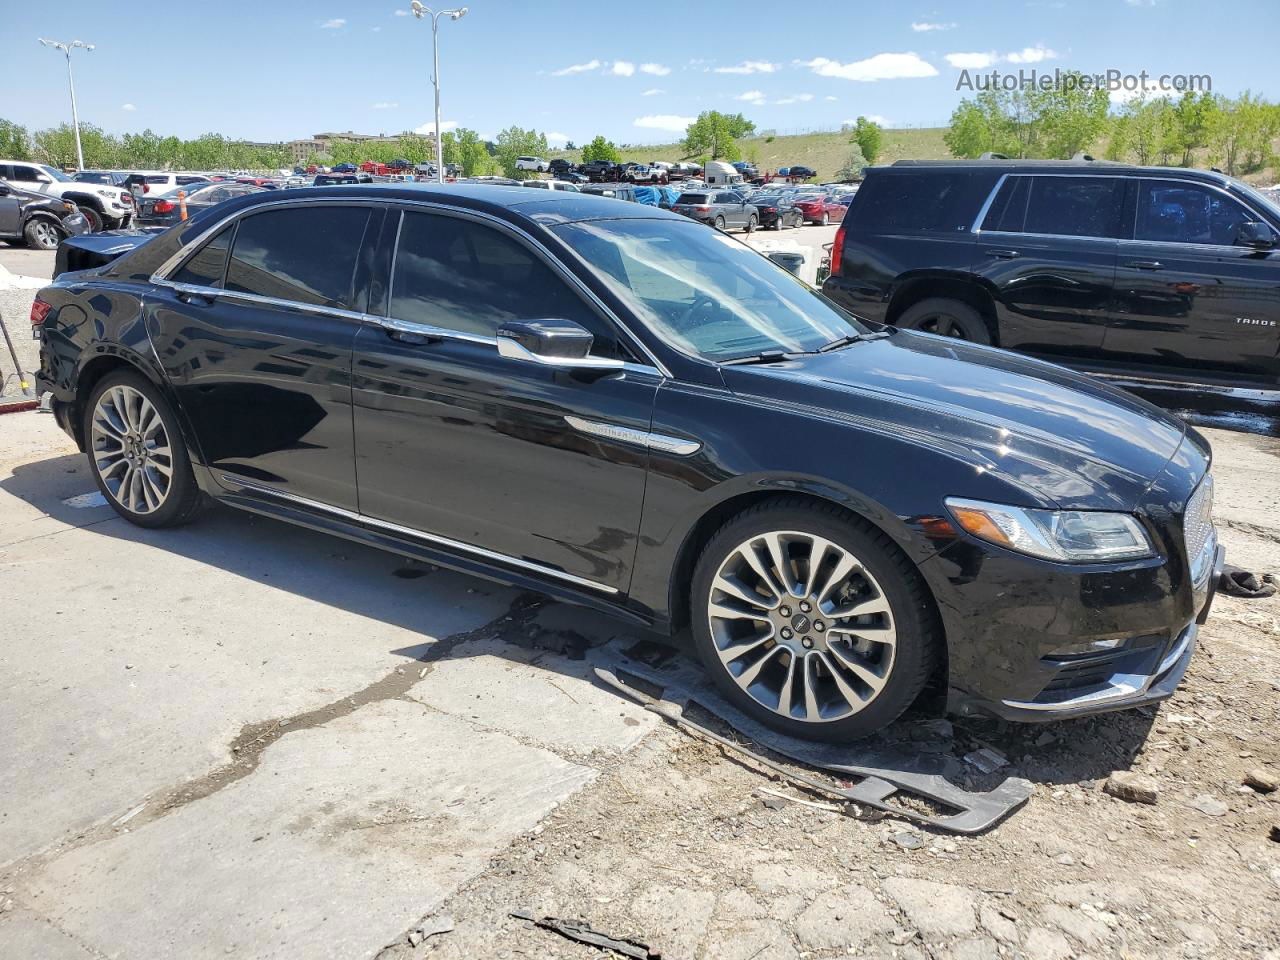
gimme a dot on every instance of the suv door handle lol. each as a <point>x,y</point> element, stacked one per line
<point>1145,264</point>
<point>1004,254</point>
<point>194,299</point>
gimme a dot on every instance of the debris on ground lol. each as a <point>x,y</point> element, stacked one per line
<point>1241,583</point>
<point>1262,780</point>
<point>1131,786</point>
<point>582,933</point>
<point>431,927</point>
<point>986,759</point>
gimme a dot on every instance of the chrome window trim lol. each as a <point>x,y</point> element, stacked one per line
<point>367,520</point>
<point>680,446</point>
<point>1133,227</point>
<point>160,276</point>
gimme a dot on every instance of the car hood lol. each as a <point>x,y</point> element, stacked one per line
<point>1066,439</point>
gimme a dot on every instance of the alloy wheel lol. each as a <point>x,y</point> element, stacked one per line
<point>943,324</point>
<point>44,235</point>
<point>801,626</point>
<point>130,449</point>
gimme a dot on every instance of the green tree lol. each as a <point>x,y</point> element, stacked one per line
<point>851,169</point>
<point>14,142</point>
<point>1068,119</point>
<point>715,134</point>
<point>1188,126</point>
<point>1240,133</point>
<point>569,145</point>
<point>600,149</point>
<point>1053,123</point>
<point>867,135</point>
<point>987,123</point>
<point>516,142</point>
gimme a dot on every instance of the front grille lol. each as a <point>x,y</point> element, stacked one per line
<point>1197,526</point>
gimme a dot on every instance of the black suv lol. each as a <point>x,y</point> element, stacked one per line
<point>560,166</point>
<point>1146,271</point>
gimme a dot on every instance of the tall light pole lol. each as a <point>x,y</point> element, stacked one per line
<point>420,11</point>
<point>66,48</point>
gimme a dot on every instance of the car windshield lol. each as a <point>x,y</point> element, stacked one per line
<point>56,174</point>
<point>707,294</point>
<point>1268,200</point>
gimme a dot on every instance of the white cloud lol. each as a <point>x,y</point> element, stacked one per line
<point>1032,54</point>
<point>749,66</point>
<point>128,107</point>
<point>829,97</point>
<point>560,138</point>
<point>926,27</point>
<point>375,29</point>
<point>652,92</point>
<point>883,66</point>
<point>655,69</point>
<point>972,61</point>
<point>794,98</point>
<point>337,23</point>
<point>751,96</point>
<point>384,105</point>
<point>1141,3</point>
<point>577,68</point>
<point>402,13</point>
<point>664,121</point>
<point>622,68</point>
<point>429,128</point>
<point>1123,95</point>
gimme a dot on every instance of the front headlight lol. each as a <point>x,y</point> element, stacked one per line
<point>1069,536</point>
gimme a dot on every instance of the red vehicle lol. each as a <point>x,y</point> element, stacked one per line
<point>377,169</point>
<point>821,208</point>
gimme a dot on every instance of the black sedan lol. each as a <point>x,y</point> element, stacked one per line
<point>776,211</point>
<point>36,219</point>
<point>619,407</point>
<point>165,209</point>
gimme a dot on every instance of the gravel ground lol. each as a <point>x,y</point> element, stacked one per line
<point>15,308</point>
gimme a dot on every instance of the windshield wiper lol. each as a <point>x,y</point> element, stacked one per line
<point>766,356</point>
<point>844,341</point>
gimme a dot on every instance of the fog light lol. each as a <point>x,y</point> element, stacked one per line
<point>1091,646</point>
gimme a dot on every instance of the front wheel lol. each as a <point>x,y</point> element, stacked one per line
<point>826,218</point>
<point>136,452</point>
<point>812,621</point>
<point>751,225</point>
<point>41,234</point>
<point>720,223</point>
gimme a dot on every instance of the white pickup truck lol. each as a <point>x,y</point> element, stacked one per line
<point>105,207</point>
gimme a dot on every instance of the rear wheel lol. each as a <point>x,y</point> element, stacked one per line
<point>812,621</point>
<point>720,223</point>
<point>826,218</point>
<point>41,234</point>
<point>137,454</point>
<point>947,318</point>
<point>93,216</point>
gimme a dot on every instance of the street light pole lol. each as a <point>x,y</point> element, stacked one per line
<point>420,11</point>
<point>66,48</point>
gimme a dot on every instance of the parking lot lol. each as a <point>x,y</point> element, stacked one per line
<point>248,739</point>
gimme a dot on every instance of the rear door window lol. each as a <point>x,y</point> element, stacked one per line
<point>304,254</point>
<point>1008,212</point>
<point>1074,206</point>
<point>206,267</point>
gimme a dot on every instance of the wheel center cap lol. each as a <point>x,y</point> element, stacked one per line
<point>800,623</point>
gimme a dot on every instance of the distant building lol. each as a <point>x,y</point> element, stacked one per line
<point>321,142</point>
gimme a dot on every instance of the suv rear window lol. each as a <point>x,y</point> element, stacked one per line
<point>692,198</point>
<point>920,202</point>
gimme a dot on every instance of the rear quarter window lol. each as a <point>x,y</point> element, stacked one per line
<point>920,202</point>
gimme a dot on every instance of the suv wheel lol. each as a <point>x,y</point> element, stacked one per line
<point>720,223</point>
<point>137,454</point>
<point>751,224</point>
<point>92,215</point>
<point>41,234</point>
<point>947,318</point>
<point>811,621</point>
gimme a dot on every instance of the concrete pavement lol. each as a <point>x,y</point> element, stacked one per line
<point>243,737</point>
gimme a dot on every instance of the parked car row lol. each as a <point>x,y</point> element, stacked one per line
<point>103,205</point>
<point>39,221</point>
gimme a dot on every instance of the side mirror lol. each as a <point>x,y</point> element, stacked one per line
<point>1252,233</point>
<point>553,343</point>
<point>4,190</point>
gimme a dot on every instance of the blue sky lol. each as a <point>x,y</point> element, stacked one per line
<point>278,71</point>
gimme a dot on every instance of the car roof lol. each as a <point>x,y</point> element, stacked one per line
<point>1083,167</point>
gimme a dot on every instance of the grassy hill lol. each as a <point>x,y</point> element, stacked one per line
<point>824,152</point>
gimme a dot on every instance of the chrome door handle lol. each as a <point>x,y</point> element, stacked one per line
<point>406,330</point>
<point>1004,254</point>
<point>1145,264</point>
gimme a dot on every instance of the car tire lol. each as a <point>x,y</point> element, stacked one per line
<point>41,234</point>
<point>91,215</point>
<point>778,224</point>
<point>853,685</point>
<point>132,437</point>
<point>719,224</point>
<point>751,225</point>
<point>826,218</point>
<point>947,318</point>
